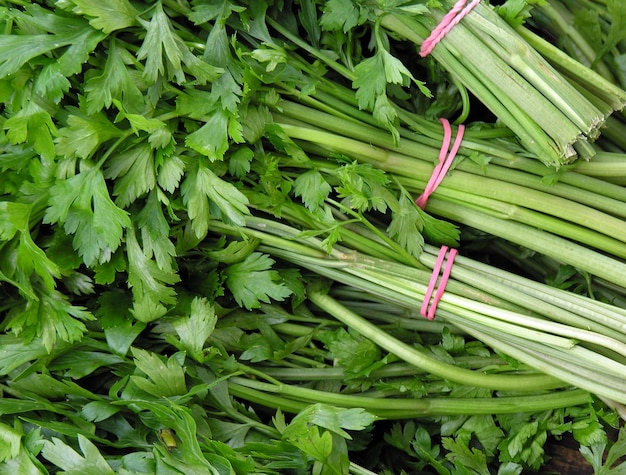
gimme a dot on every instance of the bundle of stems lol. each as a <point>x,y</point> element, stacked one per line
<point>311,373</point>
<point>567,32</point>
<point>579,220</point>
<point>552,117</point>
<point>568,338</point>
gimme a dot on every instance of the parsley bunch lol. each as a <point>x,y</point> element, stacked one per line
<point>147,327</point>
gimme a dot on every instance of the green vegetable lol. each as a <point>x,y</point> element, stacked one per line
<point>484,53</point>
<point>210,260</point>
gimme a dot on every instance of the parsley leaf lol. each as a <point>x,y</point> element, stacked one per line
<point>313,188</point>
<point>165,53</point>
<point>29,258</point>
<point>50,317</point>
<point>358,356</point>
<point>149,283</point>
<point>406,226</point>
<point>207,196</point>
<point>163,378</point>
<point>342,15</point>
<point>83,205</point>
<point>17,50</point>
<point>115,81</point>
<point>32,125</point>
<point>63,456</point>
<point>155,233</point>
<point>133,173</point>
<point>252,281</point>
<point>617,28</point>
<point>195,329</point>
<point>84,133</point>
<point>10,440</point>
<point>364,187</point>
<point>107,15</point>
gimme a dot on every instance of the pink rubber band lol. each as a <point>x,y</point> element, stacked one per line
<point>428,309</point>
<point>445,161</point>
<point>453,17</point>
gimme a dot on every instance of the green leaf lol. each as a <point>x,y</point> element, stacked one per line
<point>212,139</point>
<point>515,12</point>
<point>343,15</point>
<point>71,462</point>
<point>355,354</point>
<point>84,134</point>
<point>195,329</point>
<point>10,442</point>
<point>179,419</point>
<point>133,173</point>
<point>165,53</point>
<point>203,13</point>
<point>617,29</point>
<point>239,162</point>
<point>252,281</point>
<point>617,452</point>
<point>114,81</point>
<point>15,217</point>
<point>313,188</point>
<point>364,188</point>
<point>395,71</point>
<point>107,15</point>
<point>335,419</point>
<point>78,363</point>
<point>160,38</point>
<point>17,50</point>
<point>510,468</point>
<point>16,351</point>
<point>120,328</point>
<point>155,233</point>
<point>83,205</point>
<point>32,125</point>
<point>22,464</point>
<point>170,172</point>
<point>151,285</point>
<point>406,226</point>
<point>164,378</point>
<point>50,317</point>
<point>98,411</point>
<point>328,447</point>
<point>208,196</point>
<point>463,456</point>
<point>370,81</point>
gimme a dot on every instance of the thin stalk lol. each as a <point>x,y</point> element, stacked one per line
<point>550,224</point>
<point>298,398</point>
<point>426,363</point>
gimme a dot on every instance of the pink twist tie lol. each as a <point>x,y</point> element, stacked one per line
<point>445,161</point>
<point>454,16</point>
<point>428,309</point>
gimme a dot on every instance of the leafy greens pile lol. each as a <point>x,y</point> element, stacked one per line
<point>210,254</point>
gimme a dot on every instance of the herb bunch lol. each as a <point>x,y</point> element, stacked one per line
<point>139,338</point>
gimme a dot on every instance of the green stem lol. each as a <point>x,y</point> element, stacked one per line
<point>294,399</point>
<point>561,249</point>
<point>421,360</point>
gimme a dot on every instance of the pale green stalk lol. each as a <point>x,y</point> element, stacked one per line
<point>294,399</point>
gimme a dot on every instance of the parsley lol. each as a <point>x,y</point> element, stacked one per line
<point>211,257</point>
<point>253,281</point>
